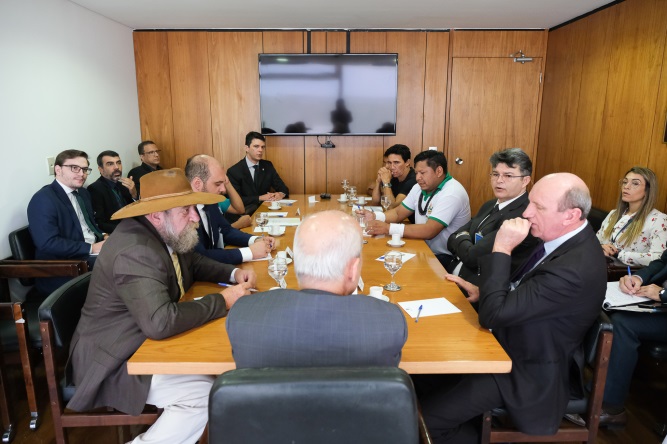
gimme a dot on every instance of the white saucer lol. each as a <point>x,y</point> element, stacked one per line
<point>280,233</point>
<point>288,261</point>
<point>343,201</point>
<point>274,208</point>
<point>381,297</point>
<point>399,244</point>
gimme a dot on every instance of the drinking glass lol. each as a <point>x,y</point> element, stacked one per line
<point>344,183</point>
<point>385,201</point>
<point>362,223</point>
<point>262,219</point>
<point>393,261</point>
<point>278,270</point>
<point>351,195</point>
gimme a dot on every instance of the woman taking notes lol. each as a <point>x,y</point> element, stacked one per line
<point>635,232</point>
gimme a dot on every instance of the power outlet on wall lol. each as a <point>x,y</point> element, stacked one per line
<point>50,162</point>
<point>433,148</point>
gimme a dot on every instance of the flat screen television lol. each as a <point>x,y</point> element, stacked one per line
<point>324,94</point>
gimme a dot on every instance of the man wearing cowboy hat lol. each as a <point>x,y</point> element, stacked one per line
<point>144,269</point>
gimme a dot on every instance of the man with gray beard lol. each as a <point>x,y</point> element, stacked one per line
<point>134,295</point>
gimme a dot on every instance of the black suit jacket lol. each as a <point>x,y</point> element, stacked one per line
<point>219,226</point>
<point>105,202</point>
<point>137,173</point>
<point>240,177</point>
<point>541,325</point>
<point>655,272</point>
<point>469,252</point>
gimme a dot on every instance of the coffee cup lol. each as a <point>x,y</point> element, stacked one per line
<point>274,229</point>
<point>375,291</point>
<point>361,201</point>
<point>395,238</point>
<point>274,206</point>
<point>343,197</point>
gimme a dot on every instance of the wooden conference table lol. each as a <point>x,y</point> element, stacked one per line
<point>452,343</point>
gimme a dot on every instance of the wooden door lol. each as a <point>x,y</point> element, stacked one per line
<point>494,105</point>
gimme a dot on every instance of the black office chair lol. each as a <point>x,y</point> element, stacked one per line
<point>314,405</point>
<point>59,316</point>
<point>597,348</point>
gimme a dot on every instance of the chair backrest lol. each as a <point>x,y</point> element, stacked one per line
<point>596,217</point>
<point>23,249</point>
<point>593,336</point>
<point>316,405</point>
<point>63,308</point>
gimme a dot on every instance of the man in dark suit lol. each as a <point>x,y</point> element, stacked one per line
<point>207,175</point>
<point>111,191</point>
<point>149,154</point>
<point>510,175</point>
<point>253,177</point>
<point>143,271</point>
<point>539,315</point>
<point>60,217</point>
<point>323,324</point>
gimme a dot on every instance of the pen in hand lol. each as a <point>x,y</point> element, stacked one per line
<point>223,284</point>
<point>419,312</point>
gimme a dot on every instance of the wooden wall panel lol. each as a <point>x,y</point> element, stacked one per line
<point>435,90</point>
<point>190,95</point>
<point>498,43</point>
<point>151,58</point>
<point>368,42</point>
<point>286,152</point>
<point>234,84</point>
<point>632,88</point>
<point>411,47</point>
<point>355,158</point>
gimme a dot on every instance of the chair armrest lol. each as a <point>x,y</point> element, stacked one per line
<point>40,268</point>
<point>617,269</point>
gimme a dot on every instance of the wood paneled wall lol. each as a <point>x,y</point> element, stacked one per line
<point>605,98</point>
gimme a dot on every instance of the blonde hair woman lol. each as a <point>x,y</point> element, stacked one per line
<point>635,232</point>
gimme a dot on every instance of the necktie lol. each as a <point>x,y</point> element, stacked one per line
<point>530,263</point>
<point>179,275</point>
<point>119,197</point>
<point>256,176</point>
<point>86,216</point>
<point>494,210</point>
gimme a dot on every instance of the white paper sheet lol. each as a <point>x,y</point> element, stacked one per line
<point>430,307</point>
<point>287,202</point>
<point>277,214</point>
<point>405,256</point>
<point>615,297</point>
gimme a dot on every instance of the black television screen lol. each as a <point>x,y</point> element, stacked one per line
<point>328,93</point>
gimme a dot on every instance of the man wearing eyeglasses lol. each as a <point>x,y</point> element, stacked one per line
<point>60,217</point>
<point>510,175</point>
<point>149,154</point>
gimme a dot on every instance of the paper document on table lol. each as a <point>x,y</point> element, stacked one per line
<point>616,298</point>
<point>278,214</point>
<point>405,256</point>
<point>373,208</point>
<point>285,221</point>
<point>287,202</point>
<point>430,307</point>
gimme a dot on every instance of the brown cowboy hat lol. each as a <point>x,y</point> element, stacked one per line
<point>163,190</point>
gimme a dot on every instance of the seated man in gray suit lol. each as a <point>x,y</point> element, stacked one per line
<point>323,324</point>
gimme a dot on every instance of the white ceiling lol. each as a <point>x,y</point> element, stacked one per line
<point>340,14</point>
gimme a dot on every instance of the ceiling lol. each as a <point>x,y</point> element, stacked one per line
<point>340,14</point>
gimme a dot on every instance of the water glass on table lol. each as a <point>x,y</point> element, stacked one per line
<point>278,270</point>
<point>393,261</point>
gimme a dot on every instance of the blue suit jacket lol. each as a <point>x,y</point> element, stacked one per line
<point>219,226</point>
<point>312,328</point>
<point>55,229</point>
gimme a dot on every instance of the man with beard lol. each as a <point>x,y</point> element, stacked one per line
<point>396,178</point>
<point>111,191</point>
<point>207,175</point>
<point>134,293</point>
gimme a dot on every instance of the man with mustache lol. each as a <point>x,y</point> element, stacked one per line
<point>134,294</point>
<point>111,191</point>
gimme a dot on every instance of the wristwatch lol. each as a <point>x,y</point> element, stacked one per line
<point>661,293</point>
<point>386,185</point>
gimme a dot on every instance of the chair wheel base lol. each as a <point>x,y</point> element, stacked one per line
<point>35,420</point>
<point>8,435</point>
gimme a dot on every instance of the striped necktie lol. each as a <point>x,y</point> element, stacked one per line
<point>98,234</point>
<point>179,275</point>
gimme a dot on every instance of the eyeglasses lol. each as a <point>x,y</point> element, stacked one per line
<point>507,177</point>
<point>632,184</point>
<point>150,153</point>
<point>76,169</point>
